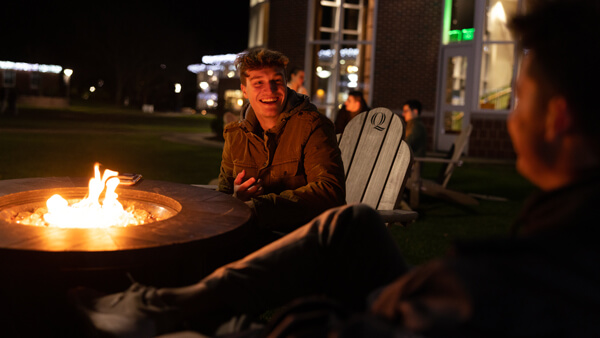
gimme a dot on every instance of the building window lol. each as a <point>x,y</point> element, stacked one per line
<point>10,78</point>
<point>341,49</point>
<point>234,100</point>
<point>459,23</point>
<point>209,77</point>
<point>482,26</point>
<point>35,80</point>
<point>455,89</point>
<point>497,56</point>
<point>258,35</point>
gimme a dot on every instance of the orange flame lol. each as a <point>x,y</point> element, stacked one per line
<point>89,212</point>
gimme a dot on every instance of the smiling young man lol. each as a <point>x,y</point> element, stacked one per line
<point>282,158</point>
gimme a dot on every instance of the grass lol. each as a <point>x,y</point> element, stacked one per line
<point>55,142</point>
<point>104,118</point>
<point>52,142</point>
<point>441,222</point>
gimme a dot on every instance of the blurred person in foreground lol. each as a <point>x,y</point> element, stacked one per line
<point>282,159</point>
<point>416,134</point>
<point>541,281</point>
<point>354,105</point>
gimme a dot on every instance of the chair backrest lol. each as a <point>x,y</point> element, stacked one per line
<point>458,147</point>
<point>376,159</point>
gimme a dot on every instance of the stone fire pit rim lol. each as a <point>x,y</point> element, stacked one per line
<point>205,214</point>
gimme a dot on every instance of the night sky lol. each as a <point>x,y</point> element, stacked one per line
<point>92,37</point>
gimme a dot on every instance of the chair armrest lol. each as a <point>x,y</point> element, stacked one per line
<point>398,216</point>
<point>206,186</point>
<point>437,160</point>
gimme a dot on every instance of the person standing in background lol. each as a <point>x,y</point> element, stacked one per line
<point>354,105</point>
<point>416,134</point>
<point>296,81</point>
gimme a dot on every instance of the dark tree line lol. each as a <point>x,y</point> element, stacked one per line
<point>138,49</point>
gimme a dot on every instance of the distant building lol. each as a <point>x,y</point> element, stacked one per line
<point>34,84</point>
<point>218,84</point>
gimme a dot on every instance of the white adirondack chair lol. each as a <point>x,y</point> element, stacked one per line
<point>418,185</point>
<point>377,162</point>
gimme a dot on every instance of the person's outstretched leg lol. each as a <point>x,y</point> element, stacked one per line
<point>344,253</point>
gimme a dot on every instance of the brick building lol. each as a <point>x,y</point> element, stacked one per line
<point>33,84</point>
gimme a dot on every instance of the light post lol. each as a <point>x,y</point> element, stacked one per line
<point>67,78</point>
<point>177,97</point>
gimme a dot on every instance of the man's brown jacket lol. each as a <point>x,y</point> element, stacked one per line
<point>298,162</point>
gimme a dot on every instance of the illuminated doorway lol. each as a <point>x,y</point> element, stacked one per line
<point>478,64</point>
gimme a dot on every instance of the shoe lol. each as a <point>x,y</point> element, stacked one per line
<point>136,312</point>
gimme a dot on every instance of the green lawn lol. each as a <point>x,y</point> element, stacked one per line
<point>50,142</point>
<point>441,222</point>
<point>53,142</point>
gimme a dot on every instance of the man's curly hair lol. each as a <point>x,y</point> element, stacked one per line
<point>258,58</point>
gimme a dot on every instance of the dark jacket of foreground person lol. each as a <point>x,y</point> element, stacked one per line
<point>299,164</point>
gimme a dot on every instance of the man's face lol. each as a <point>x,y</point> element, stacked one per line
<point>526,125</point>
<point>407,113</point>
<point>352,104</point>
<point>265,88</point>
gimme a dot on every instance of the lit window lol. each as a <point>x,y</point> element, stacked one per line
<point>342,46</point>
<point>234,99</point>
<point>459,21</point>
<point>497,56</point>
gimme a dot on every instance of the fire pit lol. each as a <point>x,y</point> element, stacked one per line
<point>189,215</point>
<point>197,230</point>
